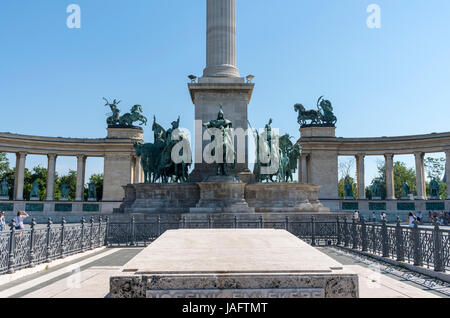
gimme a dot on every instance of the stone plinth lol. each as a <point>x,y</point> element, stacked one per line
<point>225,263</point>
<point>4,198</point>
<point>222,195</point>
<point>160,198</point>
<point>284,197</point>
<point>125,133</point>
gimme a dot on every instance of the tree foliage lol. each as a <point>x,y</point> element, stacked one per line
<point>98,181</point>
<point>401,174</point>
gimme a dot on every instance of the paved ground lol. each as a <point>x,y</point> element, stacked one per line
<point>88,277</point>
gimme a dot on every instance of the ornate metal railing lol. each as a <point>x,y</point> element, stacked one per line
<point>26,248</point>
<point>429,247</point>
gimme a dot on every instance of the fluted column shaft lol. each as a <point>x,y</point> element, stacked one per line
<point>360,176</point>
<point>390,191</point>
<point>420,175</point>
<point>221,39</point>
<point>81,172</point>
<point>20,175</point>
<point>51,169</point>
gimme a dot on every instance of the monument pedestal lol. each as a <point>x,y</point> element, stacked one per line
<point>4,198</point>
<point>244,263</point>
<point>222,194</point>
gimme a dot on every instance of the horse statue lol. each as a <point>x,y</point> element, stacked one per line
<point>115,115</point>
<point>326,116</point>
<point>135,115</point>
<point>304,115</point>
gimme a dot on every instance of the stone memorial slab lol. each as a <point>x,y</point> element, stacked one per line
<point>223,263</point>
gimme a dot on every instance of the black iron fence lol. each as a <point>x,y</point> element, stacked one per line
<point>421,246</point>
<point>29,247</point>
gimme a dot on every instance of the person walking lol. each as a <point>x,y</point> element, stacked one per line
<point>419,217</point>
<point>21,215</point>
<point>2,221</point>
<point>411,219</point>
<point>374,217</point>
<point>383,216</point>
<point>356,216</point>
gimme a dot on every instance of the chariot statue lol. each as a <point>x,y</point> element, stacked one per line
<point>228,156</point>
<point>323,116</point>
<point>128,119</point>
<point>156,158</point>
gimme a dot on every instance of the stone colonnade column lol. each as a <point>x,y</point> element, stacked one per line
<point>20,175</point>
<point>81,172</point>
<point>360,176</point>
<point>447,171</point>
<point>390,192</point>
<point>51,168</point>
<point>420,175</point>
<point>221,39</point>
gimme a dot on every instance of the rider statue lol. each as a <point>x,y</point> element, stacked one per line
<point>225,126</point>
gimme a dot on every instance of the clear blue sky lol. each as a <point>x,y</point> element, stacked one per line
<point>382,82</point>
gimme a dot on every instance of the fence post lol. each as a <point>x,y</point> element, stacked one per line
<point>133,223</point>
<point>354,234</point>
<point>313,231</point>
<point>399,241</point>
<point>63,224</point>
<point>438,252</point>
<point>210,221</point>
<point>107,230</point>
<point>364,236</point>
<point>12,243</point>
<point>91,233</point>
<point>338,232</point>
<point>83,221</point>
<point>417,246</point>
<point>374,238</point>
<point>346,233</point>
<point>235,222</point>
<point>384,239</point>
<point>287,223</point>
<point>49,234</point>
<point>261,222</point>
<point>32,256</point>
<point>184,223</point>
<point>158,227</point>
<point>100,219</point>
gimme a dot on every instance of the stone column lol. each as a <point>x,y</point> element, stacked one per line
<point>81,172</point>
<point>304,168</point>
<point>420,175</point>
<point>390,191</point>
<point>221,39</point>
<point>20,175</point>
<point>447,171</point>
<point>137,170</point>
<point>51,168</point>
<point>360,176</point>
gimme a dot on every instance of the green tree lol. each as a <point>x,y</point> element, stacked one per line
<point>4,165</point>
<point>38,174</point>
<point>435,167</point>
<point>98,181</point>
<point>401,174</point>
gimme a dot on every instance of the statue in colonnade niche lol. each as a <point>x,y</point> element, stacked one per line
<point>64,192</point>
<point>435,189</point>
<point>34,194</point>
<point>156,158</point>
<point>128,119</point>
<point>376,190</point>
<point>92,192</point>
<point>406,190</point>
<point>4,189</point>
<point>323,116</point>
<point>348,189</point>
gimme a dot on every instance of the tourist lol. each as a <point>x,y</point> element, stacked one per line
<point>356,216</point>
<point>411,219</point>
<point>2,221</point>
<point>419,217</point>
<point>430,217</point>
<point>21,215</point>
<point>374,217</point>
<point>442,217</point>
<point>383,216</point>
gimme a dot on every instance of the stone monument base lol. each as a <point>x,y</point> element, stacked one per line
<point>4,198</point>
<point>232,263</point>
<point>222,194</point>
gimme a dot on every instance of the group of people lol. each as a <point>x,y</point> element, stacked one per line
<point>443,217</point>
<point>383,216</point>
<point>20,217</point>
